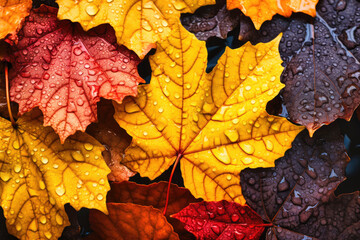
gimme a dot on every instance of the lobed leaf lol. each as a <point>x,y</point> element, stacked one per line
<point>39,175</point>
<point>64,70</point>
<point>138,24</point>
<point>297,196</point>
<point>216,123</point>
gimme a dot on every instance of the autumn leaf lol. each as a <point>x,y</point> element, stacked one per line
<point>64,70</point>
<point>130,221</point>
<point>12,15</point>
<point>211,21</point>
<point>215,124</point>
<point>297,196</point>
<point>221,220</point>
<point>114,139</point>
<point>322,65</point>
<point>39,175</point>
<point>138,24</point>
<point>260,11</point>
<point>155,195</point>
<point>321,56</point>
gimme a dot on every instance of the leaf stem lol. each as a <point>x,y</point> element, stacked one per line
<point>8,96</point>
<point>170,179</point>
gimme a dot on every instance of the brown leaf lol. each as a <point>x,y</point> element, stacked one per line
<point>114,139</point>
<point>211,21</point>
<point>130,221</point>
<point>323,68</point>
<point>155,195</point>
<point>297,196</point>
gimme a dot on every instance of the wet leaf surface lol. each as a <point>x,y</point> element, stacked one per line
<point>322,64</point>
<point>260,11</point>
<point>12,15</point>
<point>298,193</point>
<point>211,21</point>
<point>64,70</point>
<point>155,195</point>
<point>39,175</point>
<point>130,221</point>
<point>217,116</point>
<point>221,220</point>
<point>138,24</point>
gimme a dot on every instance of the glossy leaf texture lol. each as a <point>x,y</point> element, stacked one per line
<point>114,139</point>
<point>155,195</point>
<point>138,24</point>
<point>263,10</point>
<point>130,221</point>
<point>211,21</point>
<point>323,64</point>
<point>39,175</point>
<point>216,123</point>
<point>321,56</point>
<point>64,71</point>
<point>221,220</point>
<point>297,196</point>
<point>12,15</point>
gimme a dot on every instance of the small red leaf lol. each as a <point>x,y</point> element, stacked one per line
<point>221,220</point>
<point>65,70</point>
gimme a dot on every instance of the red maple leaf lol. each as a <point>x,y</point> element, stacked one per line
<point>221,221</point>
<point>65,70</point>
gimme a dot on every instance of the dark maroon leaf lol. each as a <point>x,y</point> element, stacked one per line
<point>322,75</point>
<point>211,21</point>
<point>221,220</point>
<point>298,194</point>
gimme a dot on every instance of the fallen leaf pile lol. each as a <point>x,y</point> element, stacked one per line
<point>246,174</point>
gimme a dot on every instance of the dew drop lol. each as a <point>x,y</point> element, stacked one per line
<point>16,144</point>
<point>48,235</point>
<point>60,190</point>
<point>247,148</point>
<point>77,51</point>
<point>42,219</point>
<point>88,146</point>
<point>42,185</point>
<point>17,168</point>
<point>100,197</point>
<point>235,217</point>
<point>228,177</point>
<point>92,9</point>
<point>18,227</point>
<point>215,229</point>
<point>161,110</point>
<point>5,176</point>
<point>59,219</point>
<point>247,160</point>
<point>77,156</point>
<point>44,160</point>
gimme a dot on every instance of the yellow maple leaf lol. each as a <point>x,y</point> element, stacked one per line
<point>12,14</point>
<point>261,10</point>
<point>138,24</point>
<point>216,123</point>
<point>39,175</point>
